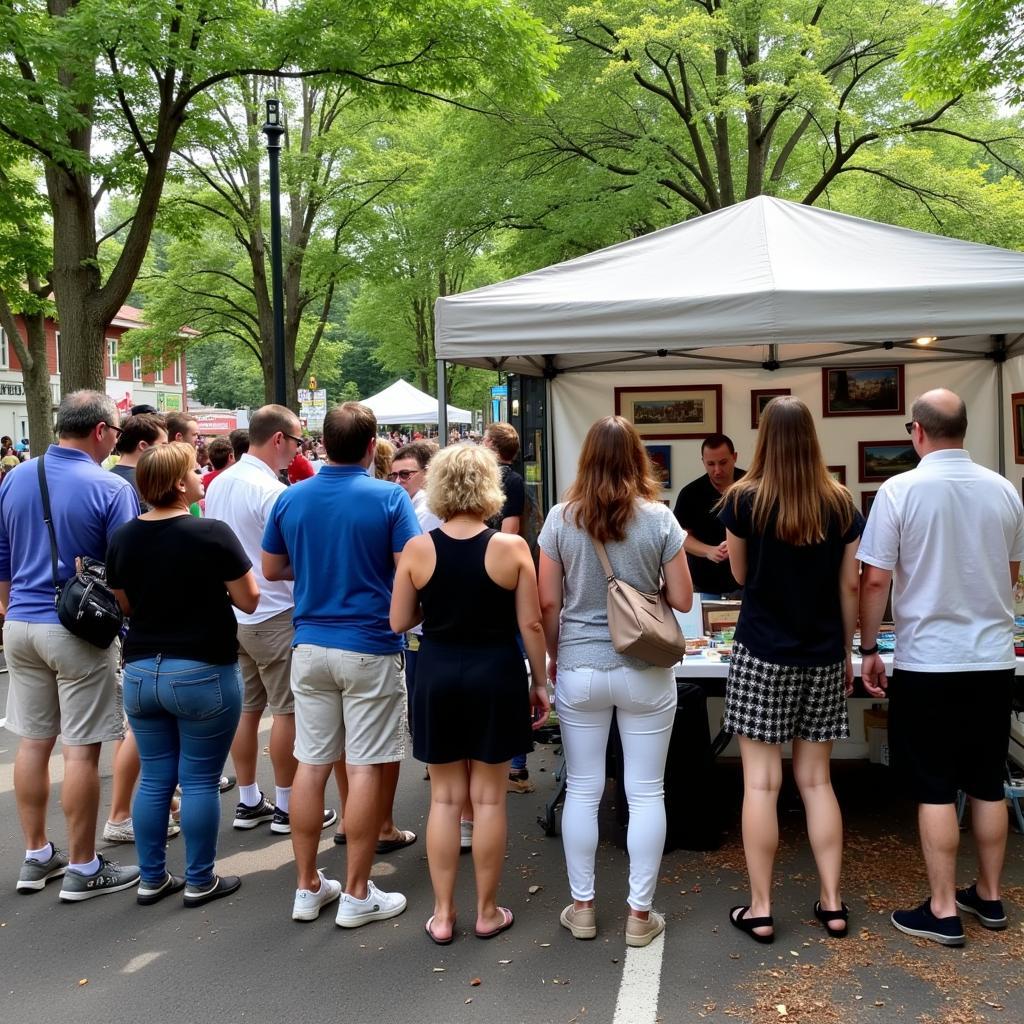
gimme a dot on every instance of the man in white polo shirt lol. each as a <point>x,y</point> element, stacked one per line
<point>243,497</point>
<point>950,535</point>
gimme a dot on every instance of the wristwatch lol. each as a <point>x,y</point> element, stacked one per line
<point>873,649</point>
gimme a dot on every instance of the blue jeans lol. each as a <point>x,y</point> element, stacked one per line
<point>184,715</point>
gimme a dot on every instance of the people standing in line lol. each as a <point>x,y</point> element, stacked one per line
<point>339,536</point>
<point>613,500</point>
<point>222,458</point>
<point>695,510</point>
<point>137,434</point>
<point>239,439</point>
<point>382,458</point>
<point>792,533</point>
<point>61,685</point>
<point>949,535</point>
<point>182,689</point>
<point>471,706</point>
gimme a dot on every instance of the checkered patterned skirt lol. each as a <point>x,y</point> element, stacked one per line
<point>777,703</point>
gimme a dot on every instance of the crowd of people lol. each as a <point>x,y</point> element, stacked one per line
<point>338,604</point>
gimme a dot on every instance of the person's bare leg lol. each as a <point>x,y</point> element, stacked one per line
<point>282,750</point>
<point>762,780</point>
<point>245,748</point>
<point>488,792</point>
<point>990,825</point>
<point>449,789</point>
<point>306,812</point>
<point>824,819</point>
<point>80,799</point>
<point>341,780</point>
<point>389,786</point>
<point>940,838</point>
<point>32,788</point>
<point>362,824</point>
<point>125,775</point>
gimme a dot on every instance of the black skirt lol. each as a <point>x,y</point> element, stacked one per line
<point>470,703</point>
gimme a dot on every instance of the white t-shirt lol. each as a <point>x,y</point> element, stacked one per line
<point>948,530</point>
<point>243,498</point>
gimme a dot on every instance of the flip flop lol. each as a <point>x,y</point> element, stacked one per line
<point>405,838</point>
<point>433,938</point>
<point>340,839</point>
<point>748,924</point>
<point>509,920</point>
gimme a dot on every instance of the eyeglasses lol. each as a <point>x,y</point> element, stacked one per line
<point>292,437</point>
<point>403,474</point>
<point>910,426</point>
<point>116,430</point>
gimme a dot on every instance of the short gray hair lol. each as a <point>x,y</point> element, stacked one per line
<point>81,411</point>
<point>939,423</point>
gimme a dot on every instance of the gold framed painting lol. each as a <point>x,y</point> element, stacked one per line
<point>672,412</point>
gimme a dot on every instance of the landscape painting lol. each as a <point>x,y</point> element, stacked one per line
<point>862,391</point>
<point>880,460</point>
<point>661,463</point>
<point>672,411</point>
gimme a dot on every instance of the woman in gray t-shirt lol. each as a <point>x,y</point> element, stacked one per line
<point>613,501</point>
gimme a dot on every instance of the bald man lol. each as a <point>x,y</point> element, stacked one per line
<point>950,536</point>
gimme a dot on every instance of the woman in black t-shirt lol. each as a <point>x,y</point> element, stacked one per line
<point>177,577</point>
<point>792,534</point>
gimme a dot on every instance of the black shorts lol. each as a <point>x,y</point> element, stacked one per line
<point>949,731</point>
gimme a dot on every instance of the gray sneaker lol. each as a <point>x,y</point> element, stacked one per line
<point>109,877</point>
<point>36,873</point>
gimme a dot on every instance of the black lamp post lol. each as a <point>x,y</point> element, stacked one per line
<point>273,130</point>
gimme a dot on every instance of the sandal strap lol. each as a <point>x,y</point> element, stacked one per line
<point>843,914</point>
<point>750,922</point>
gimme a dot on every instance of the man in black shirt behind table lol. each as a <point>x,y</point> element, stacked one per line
<point>705,535</point>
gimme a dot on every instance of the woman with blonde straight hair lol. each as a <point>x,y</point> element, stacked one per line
<point>792,533</point>
<point>613,501</point>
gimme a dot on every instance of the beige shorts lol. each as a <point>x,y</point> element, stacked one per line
<point>61,685</point>
<point>348,704</point>
<point>265,659</point>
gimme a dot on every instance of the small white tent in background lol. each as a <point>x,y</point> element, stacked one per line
<point>402,403</point>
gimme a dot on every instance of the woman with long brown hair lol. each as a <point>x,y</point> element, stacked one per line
<point>792,533</point>
<point>612,501</point>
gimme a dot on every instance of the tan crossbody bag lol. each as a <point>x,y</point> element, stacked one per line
<point>642,625</point>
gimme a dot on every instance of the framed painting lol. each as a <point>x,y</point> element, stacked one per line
<point>759,399</point>
<point>879,460</point>
<point>862,390</point>
<point>867,499</point>
<point>660,456</point>
<point>1017,407</point>
<point>672,411</point>
<point>838,473</point>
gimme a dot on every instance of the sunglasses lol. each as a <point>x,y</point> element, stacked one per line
<point>292,437</point>
<point>403,474</point>
<point>116,430</point>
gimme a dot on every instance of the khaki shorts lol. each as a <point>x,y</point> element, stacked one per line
<point>348,704</point>
<point>265,658</point>
<point>61,685</point>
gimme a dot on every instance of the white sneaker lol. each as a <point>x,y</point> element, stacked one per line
<point>378,906</point>
<point>308,903</point>
<point>124,831</point>
<point>466,835</point>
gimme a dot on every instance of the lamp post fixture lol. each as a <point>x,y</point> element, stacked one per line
<point>273,129</point>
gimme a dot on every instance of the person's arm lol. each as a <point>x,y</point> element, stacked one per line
<point>531,629</point>
<point>697,548</point>
<point>5,595</point>
<point>678,585</point>
<point>510,524</point>
<point>849,592</point>
<point>874,592</point>
<point>276,567</point>
<point>405,600</point>
<point>550,592</point>
<point>244,592</point>
<point>1014,573</point>
<point>122,600</point>
<point>737,556</point>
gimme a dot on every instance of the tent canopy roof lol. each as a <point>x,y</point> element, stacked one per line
<point>402,403</point>
<point>722,287</point>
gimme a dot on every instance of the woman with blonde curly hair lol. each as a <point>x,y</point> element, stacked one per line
<point>382,458</point>
<point>471,704</point>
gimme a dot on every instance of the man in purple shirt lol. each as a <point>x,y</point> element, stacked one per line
<point>60,684</point>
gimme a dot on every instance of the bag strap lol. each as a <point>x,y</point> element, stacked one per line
<point>48,519</point>
<point>602,554</point>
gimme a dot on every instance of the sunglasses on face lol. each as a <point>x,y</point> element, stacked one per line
<point>402,474</point>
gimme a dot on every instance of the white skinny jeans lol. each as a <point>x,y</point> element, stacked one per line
<point>645,703</point>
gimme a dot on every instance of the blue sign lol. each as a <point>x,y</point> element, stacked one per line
<point>499,391</point>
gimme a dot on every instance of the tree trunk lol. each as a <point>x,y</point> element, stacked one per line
<point>35,373</point>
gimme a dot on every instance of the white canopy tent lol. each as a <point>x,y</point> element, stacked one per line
<point>402,403</point>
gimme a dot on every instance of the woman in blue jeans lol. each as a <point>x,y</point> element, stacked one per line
<point>177,577</point>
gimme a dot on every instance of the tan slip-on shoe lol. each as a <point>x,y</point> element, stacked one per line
<point>582,923</point>
<point>642,933</point>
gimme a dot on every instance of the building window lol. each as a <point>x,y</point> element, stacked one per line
<point>112,357</point>
<point>56,345</point>
<point>5,357</point>
<point>137,368</point>
<point>177,370</point>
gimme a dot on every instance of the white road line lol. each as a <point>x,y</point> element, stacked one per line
<point>641,982</point>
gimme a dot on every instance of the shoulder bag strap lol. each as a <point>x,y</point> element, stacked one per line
<point>48,519</point>
<point>602,554</point>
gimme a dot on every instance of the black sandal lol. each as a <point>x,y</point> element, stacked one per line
<point>748,924</point>
<point>825,916</point>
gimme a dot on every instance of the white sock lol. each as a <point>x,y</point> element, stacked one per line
<point>43,854</point>
<point>249,795</point>
<point>90,867</point>
<point>282,795</point>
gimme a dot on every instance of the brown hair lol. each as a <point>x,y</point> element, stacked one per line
<point>788,478</point>
<point>421,451</point>
<point>177,423</point>
<point>613,473</point>
<point>348,430</point>
<point>220,450</point>
<point>504,439</point>
<point>266,421</point>
<point>145,426</point>
<point>160,470</point>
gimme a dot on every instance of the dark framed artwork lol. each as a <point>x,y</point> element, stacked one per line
<point>660,456</point>
<point>838,473</point>
<point>1017,407</point>
<point>672,411</point>
<point>862,390</point>
<point>867,499</point>
<point>879,460</point>
<point>759,398</point>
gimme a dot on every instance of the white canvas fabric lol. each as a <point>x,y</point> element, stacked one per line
<point>402,403</point>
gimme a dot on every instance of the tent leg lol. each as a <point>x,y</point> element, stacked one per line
<point>442,403</point>
<point>1000,412</point>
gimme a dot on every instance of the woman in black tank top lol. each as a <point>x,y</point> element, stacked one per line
<point>472,588</point>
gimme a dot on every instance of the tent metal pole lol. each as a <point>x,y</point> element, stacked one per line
<point>442,403</point>
<point>1000,349</point>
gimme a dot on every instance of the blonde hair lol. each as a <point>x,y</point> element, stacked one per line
<point>382,458</point>
<point>788,478</point>
<point>161,468</point>
<point>464,478</point>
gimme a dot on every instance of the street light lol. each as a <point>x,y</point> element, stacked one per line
<point>273,129</point>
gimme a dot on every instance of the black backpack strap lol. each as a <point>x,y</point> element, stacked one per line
<point>48,519</point>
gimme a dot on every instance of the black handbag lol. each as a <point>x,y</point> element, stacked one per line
<point>86,606</point>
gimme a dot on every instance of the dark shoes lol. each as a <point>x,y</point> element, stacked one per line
<point>282,822</point>
<point>747,924</point>
<point>218,888</point>
<point>923,924</point>
<point>989,912</point>
<point>828,917</point>
<point>247,817</point>
<point>149,894</point>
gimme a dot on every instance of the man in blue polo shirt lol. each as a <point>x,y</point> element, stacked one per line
<point>59,683</point>
<point>339,535</point>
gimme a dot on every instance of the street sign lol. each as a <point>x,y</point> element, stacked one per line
<point>313,406</point>
<point>499,391</point>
